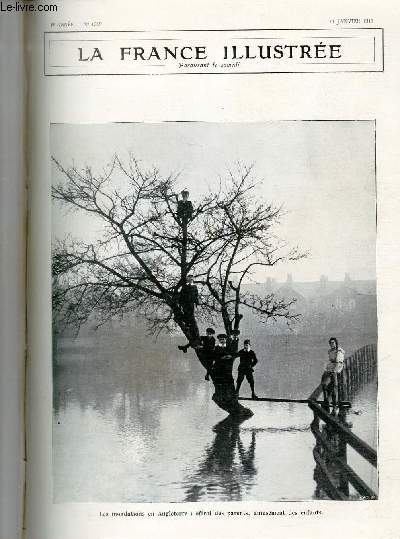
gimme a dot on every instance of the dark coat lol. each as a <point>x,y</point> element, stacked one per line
<point>185,210</point>
<point>247,360</point>
<point>223,361</point>
<point>189,295</point>
<point>207,343</point>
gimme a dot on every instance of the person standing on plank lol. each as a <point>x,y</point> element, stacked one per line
<point>248,360</point>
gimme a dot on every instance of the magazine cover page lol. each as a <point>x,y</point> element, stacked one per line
<point>211,270</point>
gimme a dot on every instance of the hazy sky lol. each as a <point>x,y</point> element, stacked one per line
<point>322,172</point>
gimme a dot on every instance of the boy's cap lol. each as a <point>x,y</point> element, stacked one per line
<point>221,336</point>
<point>246,341</point>
<point>210,330</point>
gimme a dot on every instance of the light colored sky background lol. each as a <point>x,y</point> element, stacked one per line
<point>322,172</point>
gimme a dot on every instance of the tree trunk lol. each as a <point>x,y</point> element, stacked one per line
<point>225,397</point>
<point>229,403</point>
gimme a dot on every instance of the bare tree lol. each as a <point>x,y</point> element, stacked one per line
<point>148,247</point>
<point>247,228</point>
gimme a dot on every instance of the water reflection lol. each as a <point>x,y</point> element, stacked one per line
<point>132,423</point>
<point>228,466</point>
<point>334,477</point>
<point>102,376</point>
<point>331,480</point>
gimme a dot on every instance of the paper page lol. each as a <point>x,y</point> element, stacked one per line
<point>223,167</point>
<point>12,275</point>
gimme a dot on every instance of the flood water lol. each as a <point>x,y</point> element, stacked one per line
<point>134,422</point>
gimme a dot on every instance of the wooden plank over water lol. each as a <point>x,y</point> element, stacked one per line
<point>300,401</point>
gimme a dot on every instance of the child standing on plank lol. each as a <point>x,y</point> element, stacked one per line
<point>248,360</point>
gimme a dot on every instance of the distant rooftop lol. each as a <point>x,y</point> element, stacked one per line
<point>311,289</point>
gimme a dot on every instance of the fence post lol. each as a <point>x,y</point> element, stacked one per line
<point>342,453</point>
<point>369,363</point>
<point>340,386</point>
<point>361,368</point>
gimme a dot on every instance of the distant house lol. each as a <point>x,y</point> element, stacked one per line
<point>342,299</point>
<point>288,292</point>
<point>325,306</point>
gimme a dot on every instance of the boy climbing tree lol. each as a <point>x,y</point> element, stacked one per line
<point>150,244</point>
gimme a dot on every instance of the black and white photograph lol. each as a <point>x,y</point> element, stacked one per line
<point>214,311</point>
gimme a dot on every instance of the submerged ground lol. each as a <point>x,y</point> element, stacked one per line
<point>134,422</point>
